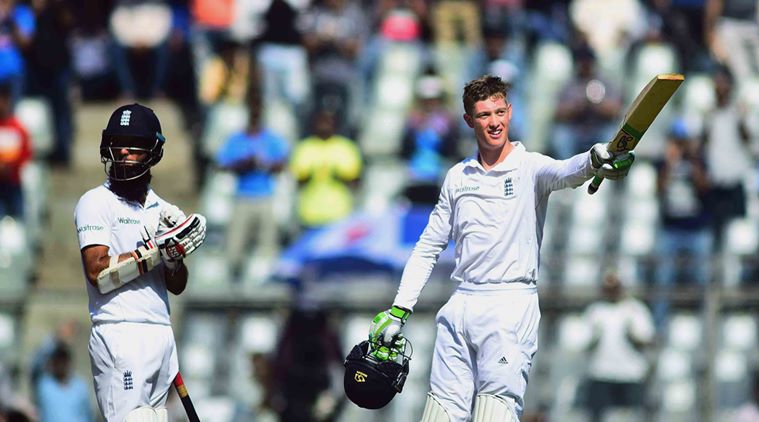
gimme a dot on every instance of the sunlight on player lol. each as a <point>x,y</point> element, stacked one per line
<point>133,244</point>
<point>493,205</point>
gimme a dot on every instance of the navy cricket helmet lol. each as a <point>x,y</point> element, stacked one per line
<point>135,128</point>
<point>371,383</point>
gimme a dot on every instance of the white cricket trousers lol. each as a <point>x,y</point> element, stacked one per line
<point>133,365</point>
<point>485,344</point>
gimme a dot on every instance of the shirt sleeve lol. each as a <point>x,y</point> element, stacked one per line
<point>92,221</point>
<point>423,258</point>
<point>552,174</point>
<point>642,327</point>
<point>228,153</point>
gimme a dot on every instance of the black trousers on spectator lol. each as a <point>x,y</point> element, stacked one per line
<point>605,394</point>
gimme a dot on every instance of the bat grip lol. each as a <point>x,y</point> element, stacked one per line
<point>594,185</point>
<point>184,397</point>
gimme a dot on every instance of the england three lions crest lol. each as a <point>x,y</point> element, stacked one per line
<point>508,187</point>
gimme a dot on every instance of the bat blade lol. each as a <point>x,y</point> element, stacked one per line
<point>641,113</point>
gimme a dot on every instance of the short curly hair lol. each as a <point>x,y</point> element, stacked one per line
<point>483,88</point>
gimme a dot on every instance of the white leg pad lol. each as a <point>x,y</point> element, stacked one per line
<point>148,414</point>
<point>491,408</point>
<point>434,411</point>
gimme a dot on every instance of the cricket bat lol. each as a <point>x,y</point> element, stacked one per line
<point>643,111</point>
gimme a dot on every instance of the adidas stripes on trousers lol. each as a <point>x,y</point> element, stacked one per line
<point>485,344</point>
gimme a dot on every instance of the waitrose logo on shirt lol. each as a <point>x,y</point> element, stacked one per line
<point>466,189</point>
<point>127,220</point>
<point>89,228</point>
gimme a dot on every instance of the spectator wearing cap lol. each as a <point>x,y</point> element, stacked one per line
<point>430,139</point>
<point>588,107</point>
<point>15,153</point>
<point>682,188</point>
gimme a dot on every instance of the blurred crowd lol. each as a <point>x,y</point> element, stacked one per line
<point>314,94</point>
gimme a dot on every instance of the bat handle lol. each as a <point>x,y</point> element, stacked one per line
<point>594,185</point>
<point>192,415</point>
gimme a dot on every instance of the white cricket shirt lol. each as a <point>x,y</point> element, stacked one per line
<point>102,218</point>
<point>615,358</point>
<point>496,220</point>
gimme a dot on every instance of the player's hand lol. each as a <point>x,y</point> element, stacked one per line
<point>183,239</point>
<point>608,165</point>
<point>386,326</point>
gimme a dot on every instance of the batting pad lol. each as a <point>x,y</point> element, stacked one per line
<point>434,411</point>
<point>490,408</point>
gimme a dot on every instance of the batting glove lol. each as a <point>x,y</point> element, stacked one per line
<point>386,326</point>
<point>183,239</point>
<point>608,165</point>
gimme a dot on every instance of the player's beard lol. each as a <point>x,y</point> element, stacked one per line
<point>132,190</point>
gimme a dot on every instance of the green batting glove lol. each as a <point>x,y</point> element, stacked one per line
<point>389,353</point>
<point>387,325</point>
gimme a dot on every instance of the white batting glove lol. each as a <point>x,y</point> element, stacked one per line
<point>170,216</point>
<point>183,239</point>
<point>608,165</point>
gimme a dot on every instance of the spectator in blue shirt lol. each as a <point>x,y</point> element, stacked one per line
<point>61,395</point>
<point>255,155</point>
<point>17,26</point>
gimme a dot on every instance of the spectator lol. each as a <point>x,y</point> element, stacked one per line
<point>62,395</point>
<point>282,57</point>
<point>255,155</point>
<point>334,32</point>
<point>453,20</point>
<point>141,30</point>
<point>325,165</point>
<point>682,189</point>
<point>728,154</point>
<point>307,354</point>
<point>587,110</point>
<point>90,44</point>
<point>212,21</point>
<point>732,35</point>
<point>64,335</point>
<point>621,327</point>
<point>682,23</point>
<point>15,152</point>
<point>430,139</point>
<point>393,22</point>
<point>49,71</point>
<point>226,77</point>
<point>16,29</point>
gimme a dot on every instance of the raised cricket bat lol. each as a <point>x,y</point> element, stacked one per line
<point>643,111</point>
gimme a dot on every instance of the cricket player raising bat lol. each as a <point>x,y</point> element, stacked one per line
<point>493,205</point>
<point>133,244</point>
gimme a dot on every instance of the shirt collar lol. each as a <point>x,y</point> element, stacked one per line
<point>509,163</point>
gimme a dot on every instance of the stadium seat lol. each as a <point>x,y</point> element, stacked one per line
<point>382,133</point>
<point>552,66</point>
<point>697,94</point>
<point>35,187</point>
<point>741,243</point>
<point>383,181</point>
<point>8,336</point>
<point>739,332</point>
<point>37,117</point>
<point>15,259</point>
<point>673,365</point>
<point>685,332</point>
<point>679,400</point>
<point>223,120</point>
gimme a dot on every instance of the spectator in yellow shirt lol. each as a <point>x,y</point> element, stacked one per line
<point>327,167</point>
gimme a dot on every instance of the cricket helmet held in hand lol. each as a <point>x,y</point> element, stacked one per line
<point>371,383</point>
<point>135,128</point>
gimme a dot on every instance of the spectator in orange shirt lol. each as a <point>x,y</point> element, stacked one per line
<point>15,152</point>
